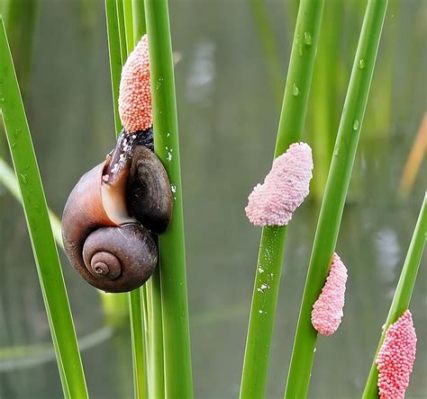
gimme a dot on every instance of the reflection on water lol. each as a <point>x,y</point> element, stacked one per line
<point>228,121</point>
<point>388,253</point>
<point>201,74</point>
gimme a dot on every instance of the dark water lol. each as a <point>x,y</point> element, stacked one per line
<point>228,121</point>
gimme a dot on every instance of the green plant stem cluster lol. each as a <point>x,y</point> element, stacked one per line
<point>335,194</point>
<point>271,250</point>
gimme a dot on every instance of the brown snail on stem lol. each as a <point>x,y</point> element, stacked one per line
<point>113,214</point>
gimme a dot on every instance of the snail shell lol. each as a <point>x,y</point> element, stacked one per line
<point>111,218</point>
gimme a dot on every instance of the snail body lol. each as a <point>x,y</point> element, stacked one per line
<point>113,214</point>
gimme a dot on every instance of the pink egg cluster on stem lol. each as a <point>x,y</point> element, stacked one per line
<point>327,311</point>
<point>135,90</point>
<point>284,189</point>
<point>396,358</point>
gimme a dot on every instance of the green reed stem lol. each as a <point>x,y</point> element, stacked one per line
<point>139,27</point>
<point>37,216</point>
<point>115,57</point>
<point>128,23</point>
<point>269,46</point>
<point>334,196</point>
<point>403,293</point>
<point>20,25</point>
<point>156,344</point>
<point>117,32</point>
<point>138,349</point>
<point>122,30</point>
<point>324,96</point>
<point>271,250</point>
<point>176,336</point>
<point>152,311</point>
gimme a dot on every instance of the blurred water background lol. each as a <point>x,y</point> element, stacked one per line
<point>228,115</point>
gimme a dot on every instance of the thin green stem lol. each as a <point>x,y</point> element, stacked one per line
<point>122,30</point>
<point>335,195</point>
<point>20,25</point>
<point>36,213</point>
<point>157,350</point>
<point>139,27</point>
<point>403,293</point>
<point>269,46</point>
<point>115,57</point>
<point>138,349</point>
<point>271,250</point>
<point>116,40</point>
<point>128,24</point>
<point>176,336</point>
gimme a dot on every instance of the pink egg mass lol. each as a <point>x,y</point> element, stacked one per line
<point>135,90</point>
<point>327,311</point>
<point>284,188</point>
<point>396,358</point>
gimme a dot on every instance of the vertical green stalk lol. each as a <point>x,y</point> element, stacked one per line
<point>116,41</point>
<point>403,293</point>
<point>324,96</point>
<point>42,240</point>
<point>122,30</point>
<point>151,297</point>
<point>128,24</point>
<point>115,56</point>
<point>271,250</point>
<point>268,42</point>
<point>157,385</point>
<point>176,336</point>
<point>20,25</point>
<point>335,194</point>
<point>138,349</point>
<point>139,27</point>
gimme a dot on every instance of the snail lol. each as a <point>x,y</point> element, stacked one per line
<point>113,214</point>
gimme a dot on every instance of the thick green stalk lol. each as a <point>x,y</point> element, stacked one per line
<point>128,20</point>
<point>335,194</point>
<point>20,25</point>
<point>116,39</point>
<point>271,250</point>
<point>176,336</point>
<point>403,293</point>
<point>37,216</point>
<point>139,27</point>
<point>151,307</point>
<point>324,115</point>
